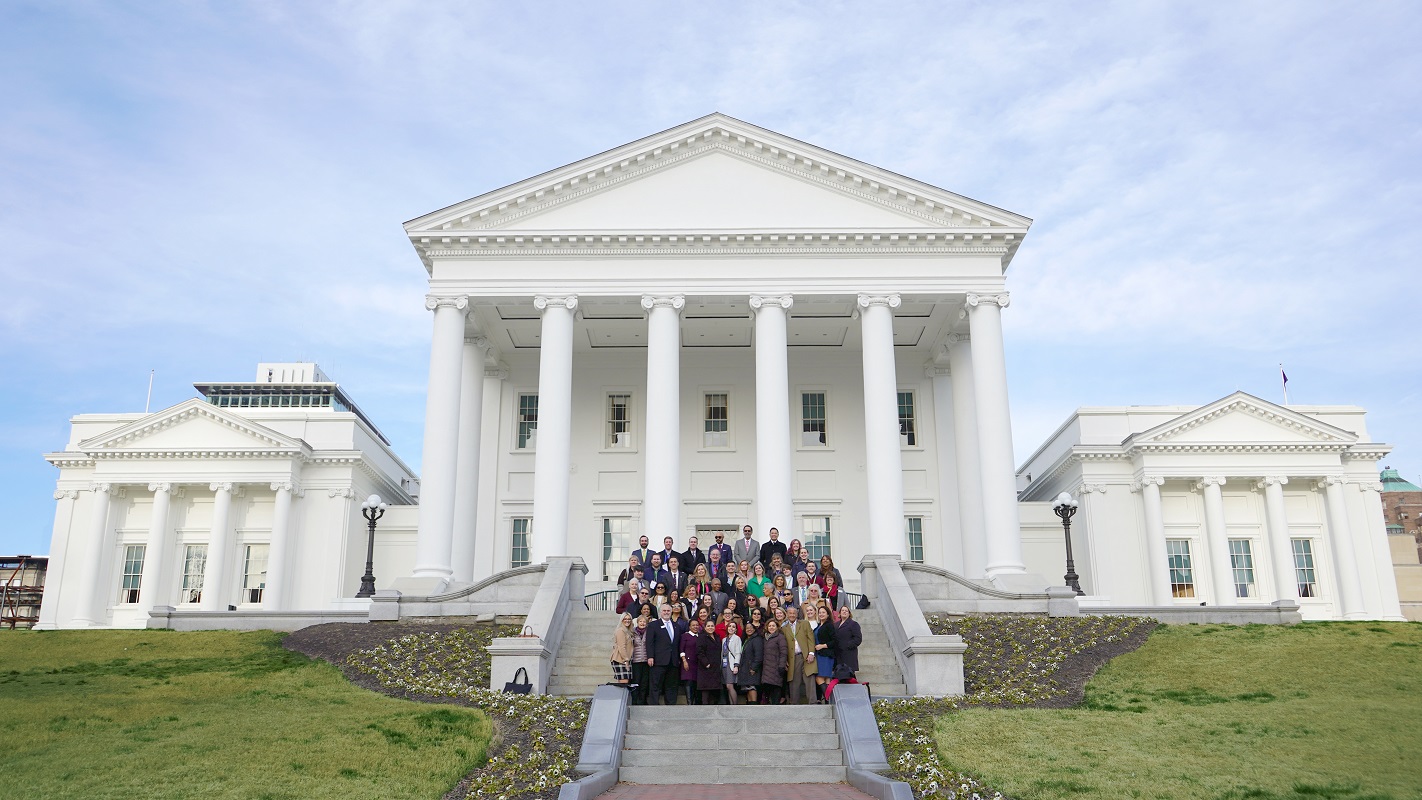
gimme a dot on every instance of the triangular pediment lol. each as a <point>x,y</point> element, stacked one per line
<point>1243,418</point>
<point>191,425</point>
<point>718,173</point>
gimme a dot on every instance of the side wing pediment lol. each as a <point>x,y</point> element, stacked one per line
<point>192,424</point>
<point>1243,418</point>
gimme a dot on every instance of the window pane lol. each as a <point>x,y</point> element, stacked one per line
<point>817,537</point>
<point>717,420</point>
<point>132,573</point>
<point>619,424</point>
<point>908,430</point>
<point>1241,562</point>
<point>194,565</point>
<point>1182,577</point>
<point>616,547</point>
<point>1304,573</point>
<point>254,573</point>
<point>518,557</point>
<point>915,539</point>
<point>527,421</point>
<point>813,431</point>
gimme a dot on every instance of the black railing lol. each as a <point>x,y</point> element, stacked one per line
<point>601,601</point>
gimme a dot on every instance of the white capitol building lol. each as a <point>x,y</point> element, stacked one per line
<point>712,326</point>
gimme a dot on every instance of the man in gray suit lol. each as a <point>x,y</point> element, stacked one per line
<point>746,548</point>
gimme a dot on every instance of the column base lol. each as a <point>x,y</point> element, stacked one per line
<point>420,585</point>
<point>1020,582</point>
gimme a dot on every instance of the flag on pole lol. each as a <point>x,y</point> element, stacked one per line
<point>1284,376</point>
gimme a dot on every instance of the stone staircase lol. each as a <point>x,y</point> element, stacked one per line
<point>877,665</point>
<point>582,662</point>
<point>732,744</point>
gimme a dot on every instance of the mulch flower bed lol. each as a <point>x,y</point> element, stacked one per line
<point>1012,662</point>
<point>537,737</point>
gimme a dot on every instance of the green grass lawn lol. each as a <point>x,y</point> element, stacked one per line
<point>1320,710</point>
<point>158,714</point>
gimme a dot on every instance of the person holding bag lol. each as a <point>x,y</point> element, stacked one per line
<point>825,641</point>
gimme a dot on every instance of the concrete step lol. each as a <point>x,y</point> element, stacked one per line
<point>712,774</point>
<point>708,740</point>
<point>748,758</point>
<point>750,725</point>
<point>706,713</point>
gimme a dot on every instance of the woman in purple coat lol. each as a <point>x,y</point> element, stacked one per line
<point>689,662</point>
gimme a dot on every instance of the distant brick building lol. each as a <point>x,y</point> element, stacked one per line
<point>1402,512</point>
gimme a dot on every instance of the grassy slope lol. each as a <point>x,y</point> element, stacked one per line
<point>1310,711</point>
<point>159,714</point>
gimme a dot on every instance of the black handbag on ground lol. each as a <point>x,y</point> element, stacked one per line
<point>515,687</point>
<point>863,602</point>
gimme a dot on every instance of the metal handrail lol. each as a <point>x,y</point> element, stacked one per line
<point>605,600</point>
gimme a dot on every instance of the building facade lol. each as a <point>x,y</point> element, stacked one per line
<point>1402,513</point>
<point>713,326</point>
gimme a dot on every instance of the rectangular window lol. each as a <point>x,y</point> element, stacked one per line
<point>908,426</point>
<point>254,573</point>
<point>915,539</point>
<point>717,420</point>
<point>1182,577</point>
<point>813,422</point>
<point>1241,562</point>
<point>132,573</point>
<point>1304,573</point>
<point>527,421</point>
<point>194,565</point>
<point>518,553</point>
<point>817,537</point>
<point>616,545</point>
<point>619,420</point>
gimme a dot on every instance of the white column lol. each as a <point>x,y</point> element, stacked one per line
<point>1389,608</point>
<point>466,471</point>
<point>772,414</point>
<point>1280,546</point>
<point>58,557</point>
<point>490,531</point>
<point>661,497</point>
<point>274,596</point>
<point>965,435</point>
<point>1218,536</point>
<point>151,591</point>
<point>553,458</point>
<point>947,453</point>
<point>883,461</point>
<point>1159,572</point>
<point>1340,536</point>
<point>219,551</point>
<point>995,456</point>
<point>90,608</point>
<point>434,540</point>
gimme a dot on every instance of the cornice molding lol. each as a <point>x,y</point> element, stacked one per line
<point>719,245</point>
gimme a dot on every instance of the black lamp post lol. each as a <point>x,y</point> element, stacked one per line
<point>372,509</point>
<point>1066,509</point>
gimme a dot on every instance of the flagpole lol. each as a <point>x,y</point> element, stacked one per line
<point>149,401</point>
<point>1284,378</point>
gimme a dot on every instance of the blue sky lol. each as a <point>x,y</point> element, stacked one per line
<point>196,187</point>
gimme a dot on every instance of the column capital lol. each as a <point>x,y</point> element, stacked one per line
<point>1271,480</point>
<point>935,370</point>
<point>1147,480</point>
<point>999,299</point>
<point>346,493</point>
<point>673,301</point>
<point>1210,480</point>
<point>1330,480</point>
<point>1089,488</point>
<point>500,371</point>
<point>66,494</point>
<point>103,488</point>
<point>954,339</point>
<point>481,342</point>
<point>1369,486</point>
<point>284,486</point>
<point>759,301</point>
<point>890,300</point>
<point>220,486</point>
<point>544,302</point>
<point>160,486</point>
<point>459,302</point>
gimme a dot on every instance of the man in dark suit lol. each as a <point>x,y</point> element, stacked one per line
<point>672,577</point>
<point>694,555</point>
<point>721,546</point>
<point>644,556</point>
<point>662,653</point>
<point>772,548</point>
<point>668,552</point>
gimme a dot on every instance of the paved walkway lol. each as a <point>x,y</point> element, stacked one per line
<point>740,791</point>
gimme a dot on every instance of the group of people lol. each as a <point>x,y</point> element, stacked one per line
<point>724,623</point>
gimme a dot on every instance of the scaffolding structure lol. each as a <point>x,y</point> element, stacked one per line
<point>21,589</point>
